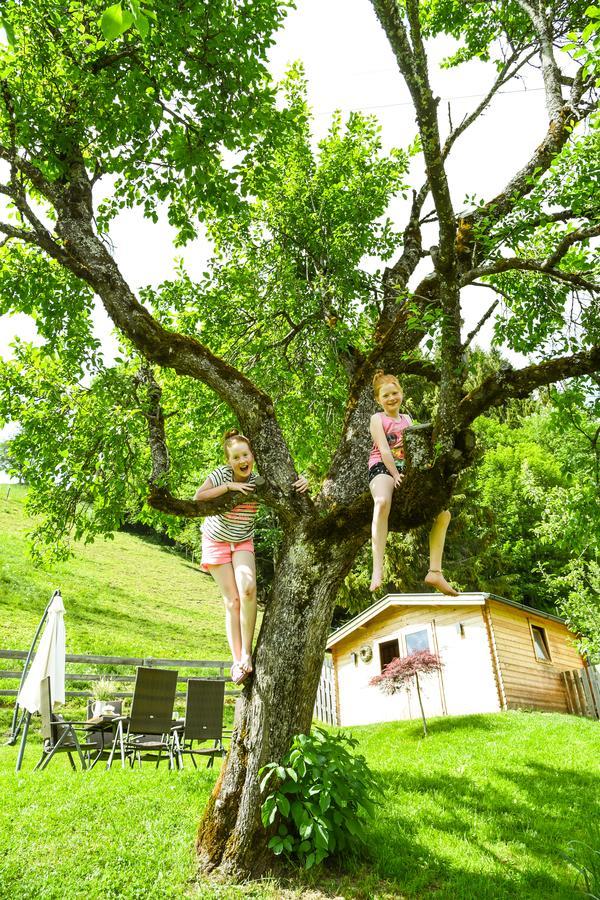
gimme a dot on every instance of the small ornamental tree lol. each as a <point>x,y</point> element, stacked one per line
<point>399,673</point>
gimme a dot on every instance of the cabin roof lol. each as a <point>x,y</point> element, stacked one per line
<point>426,599</point>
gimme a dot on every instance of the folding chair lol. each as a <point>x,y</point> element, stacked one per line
<point>203,721</point>
<point>58,735</point>
<point>150,720</point>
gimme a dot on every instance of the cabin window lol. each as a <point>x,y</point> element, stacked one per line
<point>388,650</point>
<point>417,640</point>
<point>540,643</point>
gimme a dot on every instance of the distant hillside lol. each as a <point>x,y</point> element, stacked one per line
<point>128,597</point>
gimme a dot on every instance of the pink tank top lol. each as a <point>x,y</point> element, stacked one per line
<point>393,429</point>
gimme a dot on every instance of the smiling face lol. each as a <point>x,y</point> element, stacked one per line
<point>241,460</point>
<point>389,397</point>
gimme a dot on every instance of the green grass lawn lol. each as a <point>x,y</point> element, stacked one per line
<point>482,808</point>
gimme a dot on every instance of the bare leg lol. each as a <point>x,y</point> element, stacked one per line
<point>225,578</point>
<point>244,567</point>
<point>437,539</point>
<point>382,488</point>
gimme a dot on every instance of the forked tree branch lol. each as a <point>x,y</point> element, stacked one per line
<point>505,75</point>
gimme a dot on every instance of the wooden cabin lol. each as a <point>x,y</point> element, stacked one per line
<point>497,655</point>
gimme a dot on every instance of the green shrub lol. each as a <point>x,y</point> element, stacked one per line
<point>317,797</point>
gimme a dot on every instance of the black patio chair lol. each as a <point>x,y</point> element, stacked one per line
<point>146,731</point>
<point>100,731</point>
<point>58,734</point>
<point>203,721</point>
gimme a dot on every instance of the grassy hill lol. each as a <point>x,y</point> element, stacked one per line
<point>126,597</point>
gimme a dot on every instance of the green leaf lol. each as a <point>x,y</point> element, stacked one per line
<point>115,21</point>
<point>141,22</point>
<point>283,804</point>
<point>276,845</point>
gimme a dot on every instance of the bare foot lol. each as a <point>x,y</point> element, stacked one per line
<point>246,664</point>
<point>375,581</point>
<point>437,580</point>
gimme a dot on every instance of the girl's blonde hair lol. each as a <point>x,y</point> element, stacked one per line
<point>233,436</point>
<point>380,378</point>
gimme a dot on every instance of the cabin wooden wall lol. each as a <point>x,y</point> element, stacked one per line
<point>527,681</point>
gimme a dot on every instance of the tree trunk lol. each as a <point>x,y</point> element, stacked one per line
<point>278,701</point>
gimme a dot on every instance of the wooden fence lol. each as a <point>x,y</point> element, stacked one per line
<point>325,706</point>
<point>582,687</point>
<point>198,666</point>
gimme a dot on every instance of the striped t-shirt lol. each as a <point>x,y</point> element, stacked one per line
<point>237,524</point>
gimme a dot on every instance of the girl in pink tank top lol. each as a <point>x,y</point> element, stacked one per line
<point>386,471</point>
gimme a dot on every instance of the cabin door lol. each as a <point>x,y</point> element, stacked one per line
<point>420,637</point>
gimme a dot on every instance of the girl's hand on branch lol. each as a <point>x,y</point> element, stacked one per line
<point>301,485</point>
<point>240,486</point>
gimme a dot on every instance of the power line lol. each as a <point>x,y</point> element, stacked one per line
<point>409,102</point>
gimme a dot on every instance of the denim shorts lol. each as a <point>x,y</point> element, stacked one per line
<point>380,468</point>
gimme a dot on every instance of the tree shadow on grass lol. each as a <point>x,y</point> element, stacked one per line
<point>518,827</point>
<point>447,724</point>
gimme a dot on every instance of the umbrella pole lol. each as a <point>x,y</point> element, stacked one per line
<point>16,725</point>
<point>27,719</point>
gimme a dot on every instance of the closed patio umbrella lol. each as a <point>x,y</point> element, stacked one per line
<point>49,660</point>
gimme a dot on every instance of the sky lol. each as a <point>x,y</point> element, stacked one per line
<point>349,66</point>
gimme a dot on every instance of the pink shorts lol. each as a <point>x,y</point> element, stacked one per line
<point>219,553</point>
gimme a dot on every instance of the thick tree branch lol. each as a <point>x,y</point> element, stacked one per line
<point>87,257</point>
<point>412,62</point>
<point>46,188</point>
<point>515,263</point>
<point>396,277</point>
<point>30,237</point>
<point>558,133</point>
<point>510,383</point>
<point>550,71</point>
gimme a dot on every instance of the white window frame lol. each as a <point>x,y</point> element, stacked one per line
<point>412,629</point>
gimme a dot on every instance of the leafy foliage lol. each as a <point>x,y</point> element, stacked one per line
<point>151,107</point>
<point>318,798</point>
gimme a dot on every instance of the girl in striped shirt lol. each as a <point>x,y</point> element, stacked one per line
<point>228,547</point>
